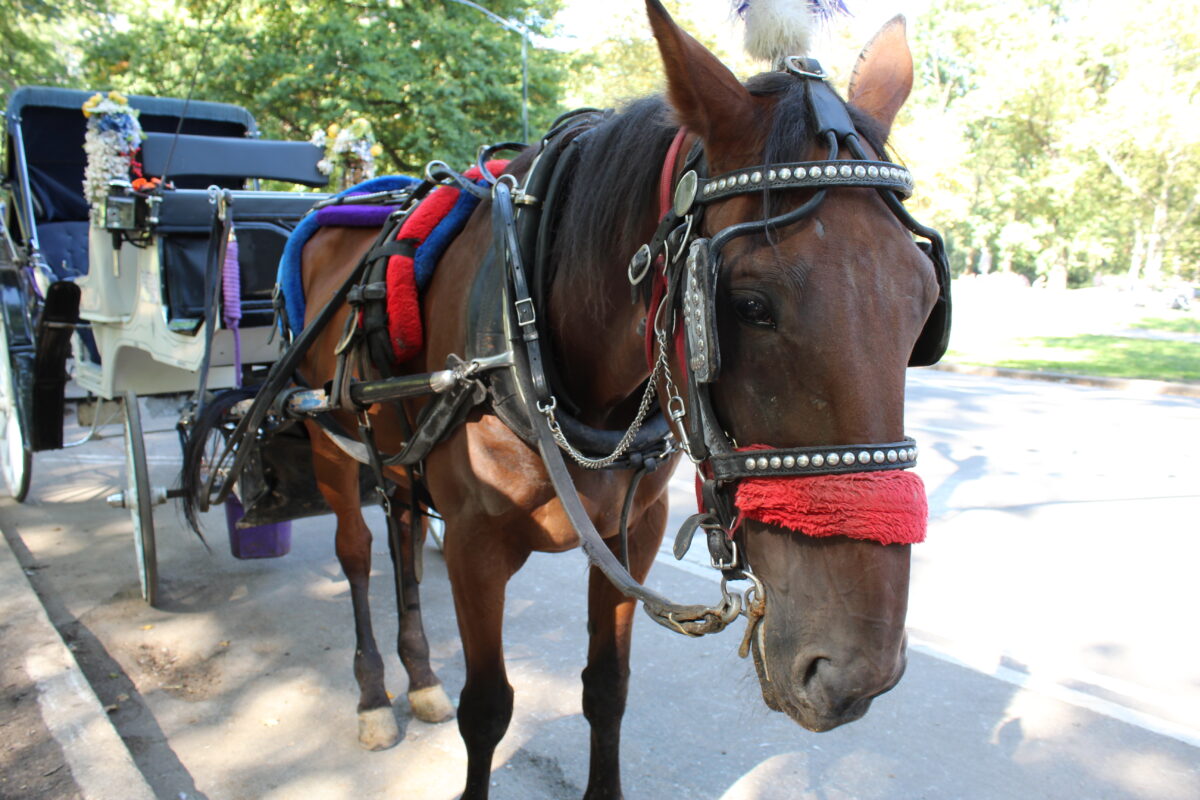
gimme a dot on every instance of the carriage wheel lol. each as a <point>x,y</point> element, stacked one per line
<point>16,458</point>
<point>138,500</point>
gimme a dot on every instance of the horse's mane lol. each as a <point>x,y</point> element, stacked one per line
<point>614,190</point>
<point>605,214</point>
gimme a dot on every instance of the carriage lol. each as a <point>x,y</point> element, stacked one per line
<point>126,294</point>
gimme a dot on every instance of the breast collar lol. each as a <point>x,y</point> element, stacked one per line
<point>682,294</point>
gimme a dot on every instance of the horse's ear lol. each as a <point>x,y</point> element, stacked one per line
<point>883,76</point>
<point>706,96</point>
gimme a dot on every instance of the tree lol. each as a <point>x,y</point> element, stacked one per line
<point>435,79</point>
<point>38,41</point>
<point>1062,140</point>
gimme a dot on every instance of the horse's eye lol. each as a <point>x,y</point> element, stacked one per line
<point>753,311</point>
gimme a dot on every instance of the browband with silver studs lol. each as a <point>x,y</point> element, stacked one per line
<point>808,175</point>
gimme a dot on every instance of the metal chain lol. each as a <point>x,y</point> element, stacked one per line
<point>623,445</point>
<point>675,408</point>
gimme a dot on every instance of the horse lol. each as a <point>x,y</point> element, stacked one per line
<point>816,296</point>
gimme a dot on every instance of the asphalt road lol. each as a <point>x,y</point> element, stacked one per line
<point>1054,652</point>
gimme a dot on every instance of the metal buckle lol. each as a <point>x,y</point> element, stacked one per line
<point>526,315</point>
<point>641,262</point>
<point>733,558</point>
<point>796,65</point>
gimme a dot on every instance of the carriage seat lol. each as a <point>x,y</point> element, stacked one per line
<point>64,246</point>
<point>261,223</point>
<point>60,213</point>
<point>262,220</point>
<point>226,157</point>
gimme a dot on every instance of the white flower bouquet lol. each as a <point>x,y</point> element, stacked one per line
<point>112,138</point>
<point>351,150</point>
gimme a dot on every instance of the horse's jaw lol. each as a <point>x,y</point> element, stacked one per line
<point>833,637</point>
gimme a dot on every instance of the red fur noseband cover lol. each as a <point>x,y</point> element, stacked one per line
<point>887,507</point>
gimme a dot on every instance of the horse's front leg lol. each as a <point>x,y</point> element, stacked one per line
<point>425,693</point>
<point>337,479</point>
<point>606,677</point>
<point>480,566</point>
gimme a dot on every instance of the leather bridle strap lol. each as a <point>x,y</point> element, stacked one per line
<point>693,620</point>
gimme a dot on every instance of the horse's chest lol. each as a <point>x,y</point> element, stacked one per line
<point>510,483</point>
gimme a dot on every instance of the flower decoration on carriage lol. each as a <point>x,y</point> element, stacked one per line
<point>112,139</point>
<point>349,150</point>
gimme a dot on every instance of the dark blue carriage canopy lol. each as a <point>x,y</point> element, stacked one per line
<point>52,126</point>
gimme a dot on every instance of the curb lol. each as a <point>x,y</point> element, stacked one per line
<point>1134,385</point>
<point>99,762</point>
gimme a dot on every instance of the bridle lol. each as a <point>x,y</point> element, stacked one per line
<point>683,307</point>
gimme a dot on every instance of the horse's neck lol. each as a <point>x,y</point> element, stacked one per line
<point>599,343</point>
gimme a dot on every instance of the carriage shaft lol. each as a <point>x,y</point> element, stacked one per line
<point>310,402</point>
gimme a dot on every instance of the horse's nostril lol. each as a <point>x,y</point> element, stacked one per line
<point>811,671</point>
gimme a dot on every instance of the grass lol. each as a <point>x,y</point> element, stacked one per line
<point>1093,354</point>
<point>1180,324</point>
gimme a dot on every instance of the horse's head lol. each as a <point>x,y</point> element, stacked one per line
<point>817,314</point>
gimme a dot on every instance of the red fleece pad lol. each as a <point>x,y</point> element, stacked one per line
<point>888,507</point>
<point>403,300</point>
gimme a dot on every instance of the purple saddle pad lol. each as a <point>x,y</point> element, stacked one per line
<point>354,216</point>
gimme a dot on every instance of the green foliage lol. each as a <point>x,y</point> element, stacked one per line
<point>1176,324</point>
<point>37,40</point>
<point>626,65</point>
<point>1107,356</point>
<point>1059,140</point>
<point>436,79</point>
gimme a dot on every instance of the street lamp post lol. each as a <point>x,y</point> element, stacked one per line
<point>519,28</point>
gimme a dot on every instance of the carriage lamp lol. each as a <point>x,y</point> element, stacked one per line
<point>124,210</point>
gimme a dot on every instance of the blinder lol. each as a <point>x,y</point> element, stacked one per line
<point>700,313</point>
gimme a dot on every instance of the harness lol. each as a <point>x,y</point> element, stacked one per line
<point>505,367</point>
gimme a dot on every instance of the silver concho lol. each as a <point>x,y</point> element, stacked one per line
<point>685,193</point>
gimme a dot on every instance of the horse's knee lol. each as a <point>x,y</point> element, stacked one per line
<point>605,687</point>
<point>484,713</point>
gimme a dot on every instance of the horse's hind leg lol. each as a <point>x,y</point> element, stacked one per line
<point>426,696</point>
<point>606,677</point>
<point>337,478</point>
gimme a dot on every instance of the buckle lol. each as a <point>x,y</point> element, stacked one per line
<point>526,315</point>
<point>804,67</point>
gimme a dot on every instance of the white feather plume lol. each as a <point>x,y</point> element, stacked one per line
<point>776,29</point>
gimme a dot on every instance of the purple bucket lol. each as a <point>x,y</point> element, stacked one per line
<point>262,541</point>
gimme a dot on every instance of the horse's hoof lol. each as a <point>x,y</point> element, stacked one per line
<point>377,728</point>
<point>431,704</point>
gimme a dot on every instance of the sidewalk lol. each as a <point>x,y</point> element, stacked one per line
<point>55,739</point>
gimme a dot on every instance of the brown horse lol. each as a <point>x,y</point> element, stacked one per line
<point>818,317</point>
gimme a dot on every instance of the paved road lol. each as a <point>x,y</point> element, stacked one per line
<point>1054,654</point>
